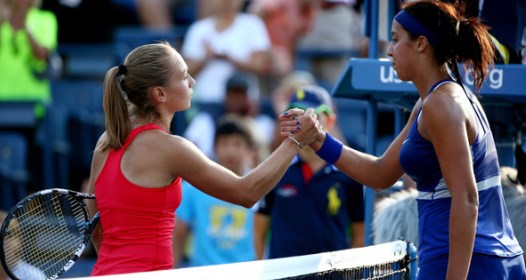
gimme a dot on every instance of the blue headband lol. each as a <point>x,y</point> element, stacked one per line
<point>415,27</point>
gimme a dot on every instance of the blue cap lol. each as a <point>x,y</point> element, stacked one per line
<point>238,81</point>
<point>312,96</point>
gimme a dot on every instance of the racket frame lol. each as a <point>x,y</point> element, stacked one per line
<point>90,225</point>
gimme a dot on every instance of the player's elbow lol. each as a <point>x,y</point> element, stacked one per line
<point>249,196</point>
<point>249,202</point>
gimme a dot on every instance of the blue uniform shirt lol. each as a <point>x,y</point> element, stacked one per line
<point>311,213</point>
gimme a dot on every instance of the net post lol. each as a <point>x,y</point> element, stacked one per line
<point>413,260</point>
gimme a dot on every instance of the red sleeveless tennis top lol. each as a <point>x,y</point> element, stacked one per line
<point>137,222</point>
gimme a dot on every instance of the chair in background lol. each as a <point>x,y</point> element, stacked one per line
<point>22,117</point>
<point>13,169</point>
<point>126,38</point>
<point>17,114</point>
<point>87,61</point>
<point>74,122</point>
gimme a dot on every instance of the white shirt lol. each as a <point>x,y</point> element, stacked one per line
<point>201,131</point>
<point>246,35</point>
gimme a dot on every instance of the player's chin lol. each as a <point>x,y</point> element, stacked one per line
<point>402,76</point>
<point>186,105</point>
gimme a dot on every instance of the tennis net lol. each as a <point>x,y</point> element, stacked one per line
<point>392,260</point>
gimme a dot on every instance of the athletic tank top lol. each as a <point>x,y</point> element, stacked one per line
<point>494,234</point>
<point>137,222</point>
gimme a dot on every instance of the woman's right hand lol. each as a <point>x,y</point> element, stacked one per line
<point>301,125</point>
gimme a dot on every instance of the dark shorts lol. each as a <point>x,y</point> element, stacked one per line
<point>482,267</point>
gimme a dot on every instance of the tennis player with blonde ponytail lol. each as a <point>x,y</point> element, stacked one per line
<point>138,165</point>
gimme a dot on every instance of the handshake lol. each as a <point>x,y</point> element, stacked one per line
<point>304,129</point>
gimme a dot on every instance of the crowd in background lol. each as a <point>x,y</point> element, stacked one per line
<point>41,40</point>
<point>248,57</point>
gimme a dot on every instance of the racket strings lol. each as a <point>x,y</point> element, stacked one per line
<point>45,233</point>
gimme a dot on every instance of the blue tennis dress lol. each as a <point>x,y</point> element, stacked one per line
<point>494,234</point>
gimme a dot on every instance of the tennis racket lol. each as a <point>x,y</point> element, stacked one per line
<point>45,233</point>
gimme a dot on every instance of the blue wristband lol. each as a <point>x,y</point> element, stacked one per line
<point>331,149</point>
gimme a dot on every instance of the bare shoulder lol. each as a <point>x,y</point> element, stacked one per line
<point>171,146</point>
<point>178,142</point>
<point>449,97</point>
<point>180,156</point>
<point>443,111</point>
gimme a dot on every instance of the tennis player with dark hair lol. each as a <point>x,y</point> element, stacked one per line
<point>446,146</point>
<point>138,165</point>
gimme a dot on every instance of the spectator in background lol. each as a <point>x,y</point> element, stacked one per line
<point>396,214</point>
<point>280,97</point>
<point>515,202</point>
<point>156,14</point>
<point>147,13</point>
<point>288,86</point>
<point>286,22</point>
<point>84,21</point>
<point>217,46</point>
<point>221,232</point>
<point>336,35</point>
<point>240,100</point>
<point>28,37</point>
<point>204,9</point>
<point>511,188</point>
<point>314,208</point>
<point>283,93</point>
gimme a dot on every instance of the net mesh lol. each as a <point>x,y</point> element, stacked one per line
<point>43,235</point>
<point>393,260</point>
<point>384,261</point>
